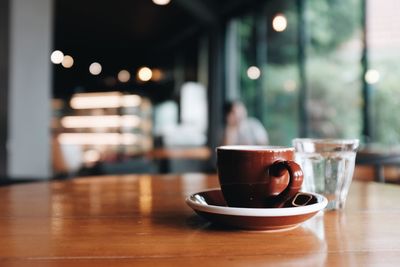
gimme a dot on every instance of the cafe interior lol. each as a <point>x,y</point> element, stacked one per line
<point>139,89</point>
<point>140,86</point>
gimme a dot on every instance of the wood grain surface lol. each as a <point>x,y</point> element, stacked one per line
<point>142,220</point>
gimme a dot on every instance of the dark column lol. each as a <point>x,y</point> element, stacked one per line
<point>216,85</point>
<point>261,59</point>
<point>301,58</point>
<point>366,89</point>
<point>4,51</point>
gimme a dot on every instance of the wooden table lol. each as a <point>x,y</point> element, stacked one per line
<point>143,220</point>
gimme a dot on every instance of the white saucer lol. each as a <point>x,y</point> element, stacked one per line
<point>211,205</point>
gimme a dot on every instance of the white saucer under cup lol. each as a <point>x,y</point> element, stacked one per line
<point>211,205</point>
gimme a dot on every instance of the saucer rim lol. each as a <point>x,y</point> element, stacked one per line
<point>256,212</point>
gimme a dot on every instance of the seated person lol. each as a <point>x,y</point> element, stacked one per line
<point>241,129</point>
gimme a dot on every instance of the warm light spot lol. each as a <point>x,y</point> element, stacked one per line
<point>91,156</point>
<point>98,139</point>
<point>279,23</point>
<point>124,76</point>
<point>104,100</point>
<point>95,68</point>
<point>372,76</point>
<point>253,73</point>
<point>67,62</point>
<point>57,57</point>
<point>161,2</point>
<point>96,100</point>
<point>145,74</point>
<point>111,121</point>
<point>131,101</point>
<point>145,194</point>
<point>129,121</point>
<point>157,75</point>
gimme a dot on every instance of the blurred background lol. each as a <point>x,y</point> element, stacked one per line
<point>139,86</point>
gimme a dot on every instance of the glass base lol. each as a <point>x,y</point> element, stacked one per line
<point>334,205</point>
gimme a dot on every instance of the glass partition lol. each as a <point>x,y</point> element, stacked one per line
<point>383,40</point>
<point>333,68</point>
<point>270,66</point>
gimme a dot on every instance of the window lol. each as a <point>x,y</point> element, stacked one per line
<point>383,75</point>
<point>333,68</point>
<point>269,39</point>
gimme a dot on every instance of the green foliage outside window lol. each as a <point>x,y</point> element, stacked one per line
<point>334,84</point>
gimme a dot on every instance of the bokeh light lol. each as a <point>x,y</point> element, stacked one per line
<point>124,76</point>
<point>91,155</point>
<point>95,68</point>
<point>279,23</point>
<point>67,62</point>
<point>145,74</point>
<point>161,2</point>
<point>57,57</point>
<point>157,75</point>
<point>253,72</point>
<point>372,76</point>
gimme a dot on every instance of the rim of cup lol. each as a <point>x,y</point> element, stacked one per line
<point>255,148</point>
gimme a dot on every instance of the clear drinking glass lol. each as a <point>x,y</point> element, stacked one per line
<point>328,166</point>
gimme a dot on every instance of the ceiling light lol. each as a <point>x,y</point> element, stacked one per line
<point>95,68</point>
<point>104,121</point>
<point>104,100</point>
<point>145,74</point>
<point>67,62</point>
<point>131,101</point>
<point>124,76</point>
<point>279,23</point>
<point>57,57</point>
<point>161,2</point>
<point>98,138</point>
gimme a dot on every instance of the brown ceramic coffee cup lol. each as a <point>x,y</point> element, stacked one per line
<point>258,176</point>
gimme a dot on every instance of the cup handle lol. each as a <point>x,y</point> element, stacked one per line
<point>277,169</point>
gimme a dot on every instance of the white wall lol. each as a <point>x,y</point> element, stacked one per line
<point>30,89</point>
